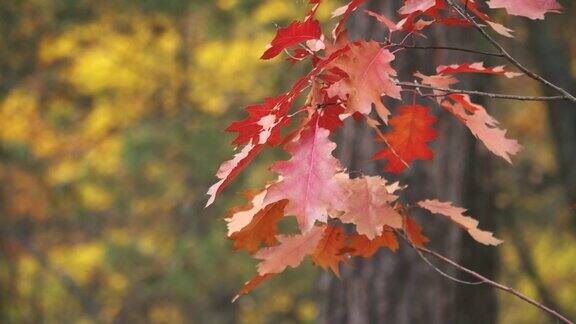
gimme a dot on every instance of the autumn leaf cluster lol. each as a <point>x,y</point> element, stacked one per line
<point>342,215</point>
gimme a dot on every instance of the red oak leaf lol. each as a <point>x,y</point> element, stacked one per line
<point>392,26</point>
<point>408,24</point>
<point>255,225</point>
<point>344,12</point>
<point>456,214</point>
<point>290,252</point>
<point>253,283</point>
<point>297,32</point>
<point>329,118</point>
<point>533,9</point>
<point>477,67</point>
<point>240,216</point>
<point>263,123</point>
<point>482,125</point>
<point>412,6</point>
<point>328,253</point>
<point>368,205</point>
<point>500,29</point>
<point>231,168</point>
<point>414,232</point>
<point>325,111</point>
<point>408,139</point>
<point>437,81</point>
<point>369,78</point>
<point>361,245</point>
<point>472,6</point>
<point>308,178</point>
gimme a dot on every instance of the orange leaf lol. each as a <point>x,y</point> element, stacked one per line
<point>369,78</point>
<point>408,139</point>
<point>253,283</point>
<point>290,252</point>
<point>262,227</point>
<point>368,205</point>
<point>414,232</point>
<point>456,214</point>
<point>361,245</point>
<point>328,253</point>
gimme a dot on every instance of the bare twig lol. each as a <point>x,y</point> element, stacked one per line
<point>512,60</point>
<point>480,93</point>
<point>495,284</point>
<point>434,267</point>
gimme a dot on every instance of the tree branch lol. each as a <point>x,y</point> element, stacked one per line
<point>495,284</point>
<point>450,48</point>
<point>512,60</point>
<point>480,93</point>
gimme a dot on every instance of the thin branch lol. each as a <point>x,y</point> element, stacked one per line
<point>480,93</point>
<point>496,285</point>
<point>435,268</point>
<point>450,48</point>
<point>507,55</point>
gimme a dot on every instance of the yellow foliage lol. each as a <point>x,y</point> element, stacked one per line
<point>275,10</point>
<point>95,197</point>
<point>227,4</point>
<point>18,116</point>
<point>166,314</point>
<point>81,260</point>
<point>223,69</point>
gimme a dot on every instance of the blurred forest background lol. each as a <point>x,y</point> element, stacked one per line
<point>111,128</point>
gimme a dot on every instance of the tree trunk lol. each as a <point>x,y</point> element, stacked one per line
<point>550,56</point>
<point>400,287</point>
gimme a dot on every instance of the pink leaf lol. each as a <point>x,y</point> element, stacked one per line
<point>369,77</point>
<point>308,178</point>
<point>368,205</point>
<point>533,9</point>
<point>483,126</point>
<point>290,252</point>
<point>411,6</point>
<point>456,214</point>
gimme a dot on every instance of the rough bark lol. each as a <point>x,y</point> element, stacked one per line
<point>401,288</point>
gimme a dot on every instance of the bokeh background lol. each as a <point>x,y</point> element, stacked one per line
<point>111,128</point>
